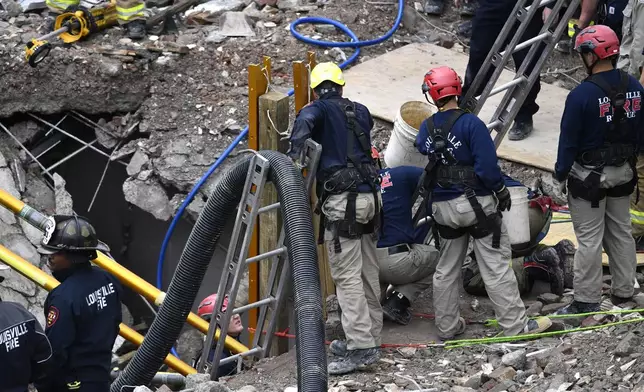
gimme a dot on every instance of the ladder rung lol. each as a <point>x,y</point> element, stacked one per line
<point>254,305</point>
<point>506,86</point>
<point>525,44</point>
<point>494,124</point>
<point>541,4</point>
<point>271,253</point>
<point>269,207</point>
<point>237,356</point>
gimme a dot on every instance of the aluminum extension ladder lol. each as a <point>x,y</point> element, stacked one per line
<point>249,208</point>
<point>516,90</point>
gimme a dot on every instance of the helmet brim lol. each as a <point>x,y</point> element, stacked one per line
<point>46,250</point>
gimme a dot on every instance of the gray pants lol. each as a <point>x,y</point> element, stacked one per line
<point>494,264</point>
<point>610,226</point>
<point>409,272</point>
<point>355,274</point>
<point>630,56</point>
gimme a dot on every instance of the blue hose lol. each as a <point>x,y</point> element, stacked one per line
<point>355,43</point>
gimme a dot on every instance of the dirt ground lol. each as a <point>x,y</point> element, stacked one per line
<point>191,106</point>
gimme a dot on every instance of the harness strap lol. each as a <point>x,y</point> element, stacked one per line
<point>440,135</point>
<point>617,96</point>
<point>489,222</point>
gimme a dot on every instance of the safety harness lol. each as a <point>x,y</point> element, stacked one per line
<point>614,152</point>
<point>443,170</point>
<point>348,179</point>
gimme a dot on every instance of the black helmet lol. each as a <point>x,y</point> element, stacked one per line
<point>72,234</point>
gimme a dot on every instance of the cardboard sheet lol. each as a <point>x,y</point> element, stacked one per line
<point>386,82</point>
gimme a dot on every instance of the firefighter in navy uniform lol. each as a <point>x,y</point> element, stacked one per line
<point>349,200</point>
<point>83,313</point>
<point>25,352</point>
<point>601,130</point>
<point>467,193</point>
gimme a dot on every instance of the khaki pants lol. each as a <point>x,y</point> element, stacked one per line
<point>355,273</point>
<point>127,10</point>
<point>494,264</point>
<point>409,272</point>
<point>609,226</point>
<point>630,57</point>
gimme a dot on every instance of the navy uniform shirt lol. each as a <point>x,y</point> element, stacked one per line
<point>83,316</point>
<point>470,143</point>
<point>25,351</point>
<point>397,187</point>
<point>586,119</point>
<point>325,122</point>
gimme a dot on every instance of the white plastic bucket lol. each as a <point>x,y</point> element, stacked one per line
<point>400,150</point>
<point>516,220</point>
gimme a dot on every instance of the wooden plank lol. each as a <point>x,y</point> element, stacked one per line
<point>386,82</point>
<point>560,231</point>
<point>257,84</point>
<point>274,116</point>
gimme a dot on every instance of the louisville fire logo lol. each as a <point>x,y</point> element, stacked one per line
<point>52,316</point>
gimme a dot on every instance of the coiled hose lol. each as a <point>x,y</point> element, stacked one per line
<point>302,255</point>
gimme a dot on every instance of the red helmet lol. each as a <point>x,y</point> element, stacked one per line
<point>442,82</point>
<point>207,306</point>
<point>598,39</point>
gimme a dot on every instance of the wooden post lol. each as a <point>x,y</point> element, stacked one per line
<point>258,81</point>
<point>274,117</point>
<point>302,94</point>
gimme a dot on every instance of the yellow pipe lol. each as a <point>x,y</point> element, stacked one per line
<point>126,276</point>
<point>49,283</point>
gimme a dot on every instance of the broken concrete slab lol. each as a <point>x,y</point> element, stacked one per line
<point>32,5</point>
<point>149,196</point>
<point>8,185</point>
<point>19,283</point>
<point>64,202</point>
<point>217,7</point>
<point>21,246</point>
<point>25,131</point>
<point>138,161</point>
<point>235,24</point>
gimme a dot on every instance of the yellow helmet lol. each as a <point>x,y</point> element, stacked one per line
<point>326,71</point>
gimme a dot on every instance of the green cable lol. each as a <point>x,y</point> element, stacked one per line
<point>495,323</point>
<point>450,344</point>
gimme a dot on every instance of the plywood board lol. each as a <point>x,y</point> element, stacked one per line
<point>560,231</point>
<point>386,82</point>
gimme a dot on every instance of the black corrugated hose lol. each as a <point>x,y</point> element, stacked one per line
<point>302,254</point>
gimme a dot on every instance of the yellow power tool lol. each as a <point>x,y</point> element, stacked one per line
<point>70,26</point>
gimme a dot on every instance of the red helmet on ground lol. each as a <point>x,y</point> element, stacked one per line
<point>207,306</point>
<point>442,82</point>
<point>598,39</point>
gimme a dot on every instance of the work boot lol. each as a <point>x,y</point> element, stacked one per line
<point>434,7</point>
<point>639,244</point>
<point>566,251</point>
<point>396,309</point>
<point>617,301</point>
<point>136,29</point>
<point>338,348</point>
<point>576,307</point>
<point>538,325</point>
<point>549,258</point>
<point>521,130</point>
<point>353,360</point>
<point>469,7</point>
<point>461,330</point>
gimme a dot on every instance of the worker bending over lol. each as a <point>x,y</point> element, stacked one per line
<point>600,130</point>
<point>349,199</point>
<point>235,328</point>
<point>406,262</point>
<point>468,194</point>
<point>83,313</point>
<point>130,14</point>
<point>25,352</point>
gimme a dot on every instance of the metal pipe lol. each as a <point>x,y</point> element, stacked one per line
<point>48,282</point>
<point>68,157</point>
<point>172,379</point>
<point>528,42</point>
<point>124,275</point>
<point>15,139</point>
<point>73,137</point>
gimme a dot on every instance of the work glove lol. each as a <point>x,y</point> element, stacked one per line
<point>505,201</point>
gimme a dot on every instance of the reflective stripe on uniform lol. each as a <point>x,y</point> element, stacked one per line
<point>637,217</point>
<point>61,5</point>
<point>133,12</point>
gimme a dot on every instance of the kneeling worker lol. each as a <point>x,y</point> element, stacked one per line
<point>467,200</point>
<point>405,261</point>
<point>25,352</point>
<point>83,313</point>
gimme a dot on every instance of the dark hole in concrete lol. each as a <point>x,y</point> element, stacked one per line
<point>134,236</point>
